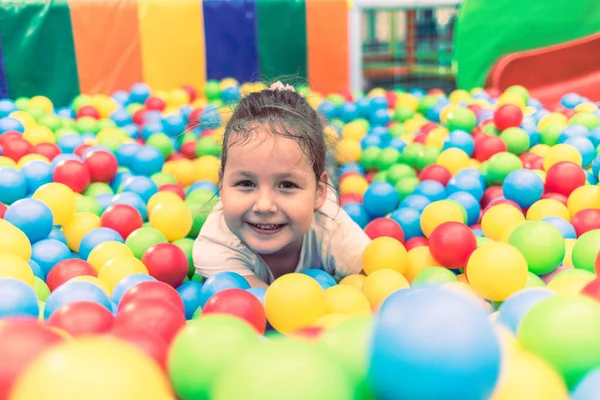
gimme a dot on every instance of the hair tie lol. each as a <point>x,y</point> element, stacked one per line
<point>279,86</point>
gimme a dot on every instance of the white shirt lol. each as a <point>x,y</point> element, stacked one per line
<point>334,243</point>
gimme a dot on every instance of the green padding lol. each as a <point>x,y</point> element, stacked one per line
<point>489,29</point>
<point>39,53</point>
<point>281,26</point>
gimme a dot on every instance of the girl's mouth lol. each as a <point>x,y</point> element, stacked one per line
<point>266,229</point>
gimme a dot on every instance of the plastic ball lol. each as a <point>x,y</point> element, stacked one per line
<point>72,173</point>
<point>13,185</point>
<point>432,190</point>
<point>380,199</point>
<point>541,244</point>
<point>564,177</point>
<point>121,218</point>
<point>162,216</point>
<point>167,263</point>
<point>119,267</point>
<point>451,244</point>
<point>524,187</point>
<point>49,252</point>
<point>61,200</point>
<point>439,212</point>
<point>96,236</point>
<point>78,227</point>
<point>562,153</point>
<point>497,218</point>
<point>347,299</point>
<point>190,295</point>
<point>72,292</point>
<point>82,318</point>
<point>586,220</point>
<point>384,227</point>
<point>238,303</point>
<point>547,208</point>
<point>324,279</point>
<point>500,165</point>
<point>582,198</point>
<point>384,253</point>
<point>516,306</point>
<point>222,281</point>
<point>142,239</point>
<point>32,217</point>
<point>147,161</point>
<point>18,298</point>
<point>380,284</point>
<point>127,283</point>
<point>508,116</point>
<point>585,251</point>
<point>66,270</point>
<point>453,160</point>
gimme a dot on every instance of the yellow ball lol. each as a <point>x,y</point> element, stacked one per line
<point>107,250</point>
<point>346,299</point>
<point>105,105</point>
<point>570,282</point>
<point>331,135</point>
<point>12,266</point>
<point>182,170</point>
<point>353,184</point>
<point>582,198</point>
<point>31,157</point>
<point>540,150</point>
<point>14,241</point>
<point>26,119</point>
<point>105,368</point>
<point>437,213</point>
<point>228,82</point>
<point>567,259</point>
<point>458,96</point>
<point>497,217</point>
<point>554,118</point>
<point>384,253</point>
<point>118,268</point>
<point>39,134</point>
<point>380,284</point>
<point>163,197</point>
<point>547,208</point>
<point>330,321</point>
<point>7,162</point>
<point>511,98</point>
<point>353,130</point>
<point>419,258</point>
<point>178,98</point>
<point>347,151</point>
<point>76,228</point>
<point>356,280</point>
<point>110,133</point>
<point>173,220</point>
<point>496,270</point>
<point>454,160</point>
<point>407,100</point>
<point>41,102</point>
<point>92,280</point>
<point>436,137</point>
<point>561,152</point>
<point>61,200</point>
<point>525,376</point>
<point>206,168</point>
<point>585,107</point>
<point>294,301</point>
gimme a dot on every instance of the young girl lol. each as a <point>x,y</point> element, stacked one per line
<point>276,214</point>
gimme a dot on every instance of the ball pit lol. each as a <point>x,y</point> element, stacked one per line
<point>483,210</point>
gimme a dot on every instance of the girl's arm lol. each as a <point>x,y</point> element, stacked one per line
<point>256,282</point>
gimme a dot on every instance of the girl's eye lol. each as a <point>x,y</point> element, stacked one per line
<point>245,184</point>
<point>288,185</point>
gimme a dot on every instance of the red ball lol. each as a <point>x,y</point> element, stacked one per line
<point>48,150</point>
<point>15,148</point>
<point>155,103</point>
<point>309,333</point>
<point>194,118</point>
<point>564,177</point>
<point>81,149</point>
<point>498,201</point>
<point>151,315</point>
<point>9,135</point>
<point>555,196</point>
<point>586,220</point>
<point>103,165</point>
<point>451,244</point>
<point>152,290</point>
<point>416,242</point>
<point>428,127</point>
<point>149,342</point>
<point>122,218</point>
<point>87,111</point>
<point>68,269</point>
<point>491,193</point>
<point>3,208</point>
<point>82,318</point>
<point>391,99</point>
<point>592,289</point>
<point>173,187</point>
<point>239,303</point>
<point>532,161</point>
<point>72,173</point>
<point>493,92</point>
<point>370,176</point>
<point>138,116</point>
<point>21,342</point>
<point>420,138</point>
<point>487,146</point>
<point>508,116</point>
<point>347,174</point>
<point>351,198</point>
<point>176,156</point>
<point>190,91</point>
<point>167,263</point>
<point>435,172</point>
<point>188,149</point>
<point>384,227</point>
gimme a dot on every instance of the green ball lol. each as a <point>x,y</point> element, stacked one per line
<point>82,100</point>
<point>520,90</point>
<point>89,204</point>
<point>412,153</point>
<point>198,313</point>
<point>542,245</point>
<point>200,203</point>
<point>490,129</point>
<point>87,124</point>
<point>381,176</point>
<point>586,119</point>
<point>6,163</point>
<point>187,137</point>
<point>387,158</point>
<point>403,113</point>
<point>212,90</point>
<point>187,246</point>
<point>162,143</point>
<point>197,278</point>
<point>337,99</point>
<point>426,103</point>
<point>106,124</point>
<point>143,238</point>
<point>162,178</point>
<point>299,367</point>
<point>500,165</point>
<point>36,112</point>
<point>40,288</point>
<point>482,240</point>
<point>461,118</point>
<point>60,132</point>
<point>399,171</point>
<point>534,281</point>
<point>433,277</point>
<point>364,122</point>
<point>368,158</point>
<point>429,156</point>
<point>406,186</point>
<point>22,103</point>
<point>585,250</point>
<point>111,143</point>
<point>549,135</point>
<point>133,107</point>
<point>203,350</point>
<point>51,121</point>
<point>516,140</point>
<point>97,188</point>
<point>349,343</point>
<point>565,332</point>
<point>208,147</point>
<point>397,130</point>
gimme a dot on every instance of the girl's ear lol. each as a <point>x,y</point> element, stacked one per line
<point>321,194</point>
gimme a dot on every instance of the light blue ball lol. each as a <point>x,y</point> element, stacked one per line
<point>589,387</point>
<point>147,161</point>
<point>49,252</point>
<point>460,140</point>
<point>467,183</point>
<point>324,279</point>
<point>74,291</point>
<point>37,173</point>
<point>470,204</point>
<point>127,283</point>
<point>431,189</point>
<point>566,229</point>
<point>516,306</point>
<point>144,186</point>
<point>219,282</point>
<point>96,236</point>
<point>18,299</point>
<point>380,199</point>
<point>415,201</point>
<point>125,153</point>
<point>13,185</point>
<point>190,295</point>
<point>410,222</point>
<point>31,216</point>
<point>524,187</point>
<point>357,213</point>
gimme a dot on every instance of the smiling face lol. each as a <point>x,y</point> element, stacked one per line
<point>269,192</point>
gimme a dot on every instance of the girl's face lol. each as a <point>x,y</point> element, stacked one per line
<point>269,192</point>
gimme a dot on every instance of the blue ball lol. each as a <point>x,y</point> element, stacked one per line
<point>96,236</point>
<point>566,229</point>
<point>470,204</point>
<point>18,299</point>
<point>132,131</point>
<point>397,143</point>
<point>415,201</point>
<point>174,125</point>
<point>327,109</point>
<point>68,143</point>
<point>190,295</point>
<point>594,136</point>
<point>150,128</point>
<point>370,141</point>
<point>49,252</point>
<point>516,306</point>
<point>378,103</point>
<point>202,185</point>
<point>348,112</point>
<point>210,118</point>
<point>460,140</point>
<point>421,349</point>
<point>323,278</point>
<point>380,199</point>
<point>105,200</point>
<point>119,179</point>
<point>357,212</point>
<point>152,117</point>
<point>74,291</point>
<point>259,293</point>
<point>121,117</point>
<point>138,93</point>
<point>134,200</point>
<point>32,216</point>
<point>124,154</point>
<point>585,148</point>
<point>589,387</point>
<point>11,124</point>
<point>7,107</point>
<point>523,186</point>
<point>472,172</point>
<point>147,161</point>
<point>219,282</point>
<point>380,117</point>
<point>570,131</point>
<point>57,234</point>
<point>352,167</point>
<point>127,283</point>
<point>141,185</point>
<point>37,270</point>
<point>410,222</point>
<point>230,94</point>
<point>431,189</point>
<point>466,183</point>
<point>13,185</point>
<point>596,165</point>
<point>570,100</point>
<point>590,178</point>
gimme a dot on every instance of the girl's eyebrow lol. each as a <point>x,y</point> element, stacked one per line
<point>283,175</point>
